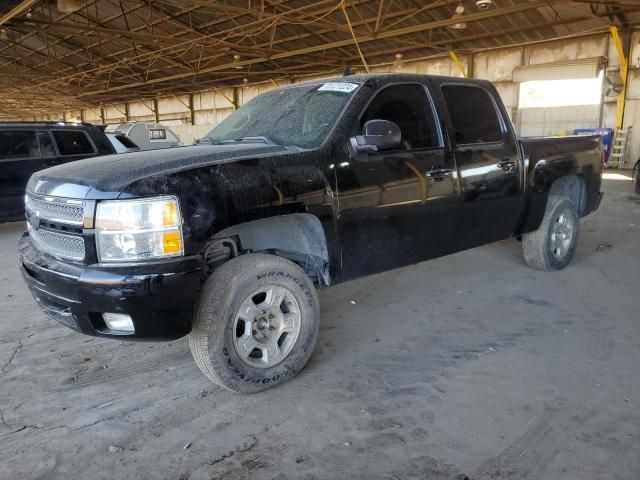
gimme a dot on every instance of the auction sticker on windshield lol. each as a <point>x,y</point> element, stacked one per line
<point>338,87</point>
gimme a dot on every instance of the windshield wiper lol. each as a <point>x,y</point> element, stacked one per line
<point>256,139</point>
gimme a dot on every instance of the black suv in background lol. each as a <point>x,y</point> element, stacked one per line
<point>26,147</point>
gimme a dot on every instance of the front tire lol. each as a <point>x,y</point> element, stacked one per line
<point>257,323</point>
<point>553,245</point>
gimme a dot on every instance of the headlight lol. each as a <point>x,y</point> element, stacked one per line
<point>140,229</point>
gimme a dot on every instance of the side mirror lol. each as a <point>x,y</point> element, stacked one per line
<point>377,135</point>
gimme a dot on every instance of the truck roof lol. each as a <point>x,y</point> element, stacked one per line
<point>363,77</point>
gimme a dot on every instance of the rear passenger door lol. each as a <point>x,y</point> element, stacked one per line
<point>22,152</point>
<point>487,158</point>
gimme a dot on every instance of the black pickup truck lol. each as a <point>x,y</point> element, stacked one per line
<point>304,187</point>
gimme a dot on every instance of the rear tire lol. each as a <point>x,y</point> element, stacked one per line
<point>257,323</point>
<point>553,245</point>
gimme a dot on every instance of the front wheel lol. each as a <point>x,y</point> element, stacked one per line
<point>553,245</point>
<point>256,324</point>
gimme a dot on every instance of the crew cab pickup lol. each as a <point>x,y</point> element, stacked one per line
<point>304,187</point>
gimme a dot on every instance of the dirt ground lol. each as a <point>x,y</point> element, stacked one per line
<point>470,366</point>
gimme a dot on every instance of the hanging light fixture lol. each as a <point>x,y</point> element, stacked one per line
<point>458,19</point>
<point>236,62</point>
<point>398,61</point>
<point>3,34</point>
<point>70,6</point>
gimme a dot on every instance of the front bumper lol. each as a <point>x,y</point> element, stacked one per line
<point>160,297</point>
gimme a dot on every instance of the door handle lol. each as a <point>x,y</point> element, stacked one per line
<point>506,164</point>
<point>438,174</point>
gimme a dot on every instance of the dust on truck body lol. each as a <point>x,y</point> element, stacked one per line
<point>304,187</point>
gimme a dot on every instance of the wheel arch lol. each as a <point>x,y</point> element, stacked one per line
<point>571,185</point>
<point>298,237</point>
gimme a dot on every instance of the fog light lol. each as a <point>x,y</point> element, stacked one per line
<point>118,321</point>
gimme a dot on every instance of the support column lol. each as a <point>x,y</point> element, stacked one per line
<point>155,110</point>
<point>192,113</point>
<point>236,98</point>
<point>623,54</point>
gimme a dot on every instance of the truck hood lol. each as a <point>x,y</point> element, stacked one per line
<point>106,177</point>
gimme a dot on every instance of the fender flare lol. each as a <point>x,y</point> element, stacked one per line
<point>571,185</point>
<point>297,236</point>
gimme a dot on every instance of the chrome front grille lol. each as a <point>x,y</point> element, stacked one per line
<point>56,210</point>
<point>56,244</point>
<point>51,221</point>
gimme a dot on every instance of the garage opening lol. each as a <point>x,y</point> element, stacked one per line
<point>558,99</point>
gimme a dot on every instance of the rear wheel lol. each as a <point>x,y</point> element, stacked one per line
<point>257,323</point>
<point>553,245</point>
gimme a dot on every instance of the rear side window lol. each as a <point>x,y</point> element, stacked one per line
<point>126,141</point>
<point>72,142</point>
<point>46,144</point>
<point>473,114</point>
<point>409,107</point>
<point>18,144</point>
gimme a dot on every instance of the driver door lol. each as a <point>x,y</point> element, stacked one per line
<point>397,206</point>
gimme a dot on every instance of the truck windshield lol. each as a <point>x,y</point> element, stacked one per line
<point>300,116</point>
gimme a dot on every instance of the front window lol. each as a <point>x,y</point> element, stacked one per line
<point>300,115</point>
<point>408,106</point>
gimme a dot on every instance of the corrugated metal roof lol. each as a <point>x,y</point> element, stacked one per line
<point>111,51</point>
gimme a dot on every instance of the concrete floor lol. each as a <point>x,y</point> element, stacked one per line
<point>472,365</point>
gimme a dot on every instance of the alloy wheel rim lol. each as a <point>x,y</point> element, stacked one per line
<point>562,234</point>
<point>266,326</point>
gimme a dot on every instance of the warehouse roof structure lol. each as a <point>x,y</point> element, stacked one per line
<point>70,54</point>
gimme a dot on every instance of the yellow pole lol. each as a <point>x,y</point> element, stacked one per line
<point>458,63</point>
<point>623,75</point>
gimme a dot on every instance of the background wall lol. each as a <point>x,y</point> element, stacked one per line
<point>536,122</point>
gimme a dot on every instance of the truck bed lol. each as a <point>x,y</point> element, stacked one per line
<point>547,159</point>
